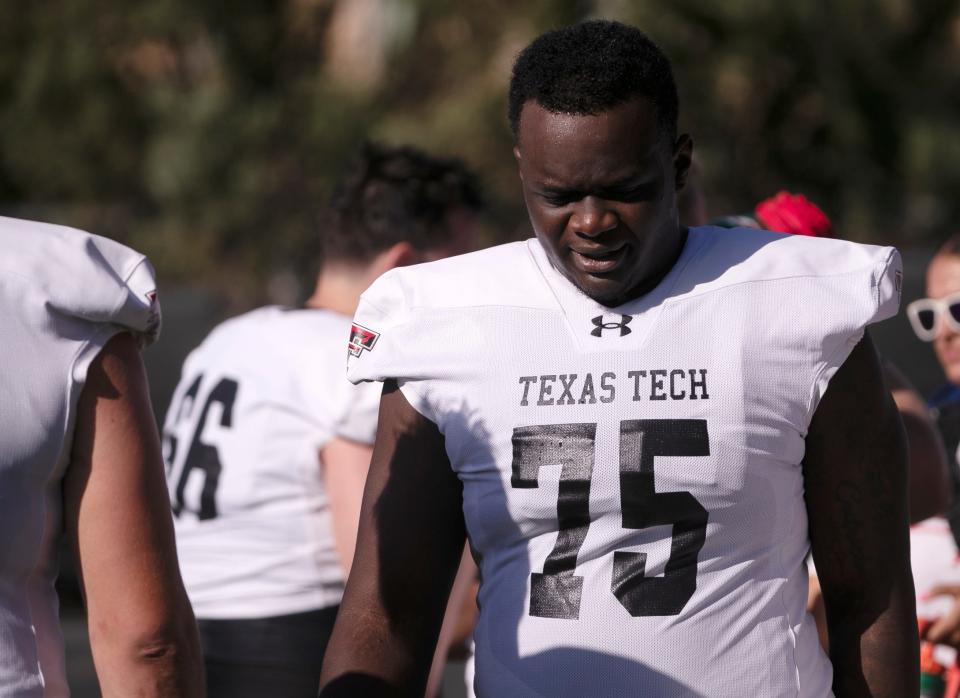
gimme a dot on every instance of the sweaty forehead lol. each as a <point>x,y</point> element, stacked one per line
<point>621,141</point>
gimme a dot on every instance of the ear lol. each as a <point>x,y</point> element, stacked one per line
<point>400,254</point>
<point>519,158</point>
<point>682,159</point>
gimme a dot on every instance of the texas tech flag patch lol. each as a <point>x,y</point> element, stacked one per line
<point>361,339</point>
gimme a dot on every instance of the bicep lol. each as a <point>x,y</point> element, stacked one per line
<point>116,508</point>
<point>855,477</point>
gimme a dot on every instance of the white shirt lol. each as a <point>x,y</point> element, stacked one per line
<point>63,294</point>
<point>632,476</point>
<point>257,401</point>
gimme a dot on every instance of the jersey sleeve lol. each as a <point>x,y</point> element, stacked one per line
<point>139,309</point>
<point>386,343</point>
<point>359,420</point>
<point>128,288</point>
<point>868,295</point>
<point>123,298</point>
<point>96,280</point>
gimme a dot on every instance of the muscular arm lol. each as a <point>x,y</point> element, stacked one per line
<point>855,472</point>
<point>142,631</point>
<point>408,546</point>
<point>929,479</point>
<point>345,465</point>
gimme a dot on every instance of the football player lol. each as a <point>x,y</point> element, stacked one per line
<point>268,444</point>
<point>80,454</point>
<point>642,428</point>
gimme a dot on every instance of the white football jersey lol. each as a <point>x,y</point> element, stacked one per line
<point>63,294</point>
<point>632,478</point>
<point>257,400</point>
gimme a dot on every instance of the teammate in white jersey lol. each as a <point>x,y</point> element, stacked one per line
<point>268,444</point>
<point>80,455</point>
<point>632,423</point>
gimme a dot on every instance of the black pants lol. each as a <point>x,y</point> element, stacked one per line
<point>278,657</point>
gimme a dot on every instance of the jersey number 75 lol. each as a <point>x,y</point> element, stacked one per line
<point>555,592</point>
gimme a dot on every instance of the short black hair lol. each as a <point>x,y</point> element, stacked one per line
<point>391,194</point>
<point>591,67</point>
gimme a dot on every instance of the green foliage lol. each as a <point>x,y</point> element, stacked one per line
<point>206,132</point>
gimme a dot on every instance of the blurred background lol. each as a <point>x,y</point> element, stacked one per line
<point>206,133</point>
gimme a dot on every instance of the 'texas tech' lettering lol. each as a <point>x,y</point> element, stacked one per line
<point>586,389</point>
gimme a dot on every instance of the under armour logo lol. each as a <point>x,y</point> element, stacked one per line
<point>600,325</point>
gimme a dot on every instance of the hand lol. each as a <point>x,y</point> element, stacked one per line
<point>945,630</point>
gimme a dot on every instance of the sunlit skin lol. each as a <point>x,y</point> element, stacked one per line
<point>601,192</point>
<point>943,279</point>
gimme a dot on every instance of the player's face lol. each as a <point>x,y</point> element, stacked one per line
<point>943,279</point>
<point>601,194</point>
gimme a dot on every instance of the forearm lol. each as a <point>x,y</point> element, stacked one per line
<point>163,661</point>
<point>387,633</point>
<point>874,644</point>
<point>363,651</point>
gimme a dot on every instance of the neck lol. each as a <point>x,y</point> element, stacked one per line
<point>339,286</point>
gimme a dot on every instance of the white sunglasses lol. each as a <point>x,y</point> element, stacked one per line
<point>923,314</point>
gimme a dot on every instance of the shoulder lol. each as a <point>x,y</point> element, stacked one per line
<point>78,275</point>
<point>278,321</point>
<point>294,329</point>
<point>504,275</point>
<point>278,340</point>
<point>744,254</point>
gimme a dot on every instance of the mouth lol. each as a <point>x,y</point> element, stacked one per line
<point>599,260</point>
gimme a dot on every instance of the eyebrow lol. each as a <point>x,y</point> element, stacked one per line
<point>626,184</point>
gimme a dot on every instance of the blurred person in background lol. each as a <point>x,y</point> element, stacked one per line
<point>638,532</point>
<point>268,444</point>
<point>936,319</point>
<point>80,455</point>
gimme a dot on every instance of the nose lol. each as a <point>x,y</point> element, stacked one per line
<point>943,331</point>
<point>592,217</point>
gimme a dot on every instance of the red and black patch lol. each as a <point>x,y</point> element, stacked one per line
<point>153,317</point>
<point>361,339</point>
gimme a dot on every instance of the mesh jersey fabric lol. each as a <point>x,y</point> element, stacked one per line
<point>631,476</point>
<point>256,402</point>
<point>63,294</point>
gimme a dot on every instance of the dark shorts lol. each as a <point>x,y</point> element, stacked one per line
<point>279,657</point>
